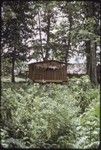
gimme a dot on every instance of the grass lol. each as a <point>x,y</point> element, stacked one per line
<point>17,79</point>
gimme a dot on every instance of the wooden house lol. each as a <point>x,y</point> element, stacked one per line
<point>48,71</point>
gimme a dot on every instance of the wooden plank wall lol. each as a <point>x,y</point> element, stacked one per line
<point>47,74</point>
<point>39,73</point>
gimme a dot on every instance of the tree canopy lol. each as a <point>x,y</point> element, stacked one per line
<point>50,30</point>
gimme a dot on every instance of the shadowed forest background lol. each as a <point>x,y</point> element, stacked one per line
<point>51,115</point>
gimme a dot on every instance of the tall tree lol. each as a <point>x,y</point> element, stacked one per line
<point>48,15</point>
<point>90,14</point>
<point>88,49</point>
<point>40,32</point>
<point>15,30</point>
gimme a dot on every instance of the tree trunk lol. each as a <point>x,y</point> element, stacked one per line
<point>48,36</point>
<point>91,62</point>
<point>93,65</point>
<point>40,33</point>
<point>99,73</point>
<point>69,39</point>
<point>13,66</point>
<point>88,64</point>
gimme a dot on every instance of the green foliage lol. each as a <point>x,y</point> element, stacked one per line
<point>83,92</point>
<point>88,127</point>
<point>50,116</point>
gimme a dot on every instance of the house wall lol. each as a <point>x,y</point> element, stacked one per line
<point>37,72</point>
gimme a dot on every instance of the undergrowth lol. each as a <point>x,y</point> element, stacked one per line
<point>50,116</point>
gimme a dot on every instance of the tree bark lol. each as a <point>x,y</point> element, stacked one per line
<point>40,33</point>
<point>13,66</point>
<point>93,65</point>
<point>88,64</point>
<point>91,62</point>
<point>48,36</point>
<point>69,39</point>
<point>99,73</point>
<point>91,47</point>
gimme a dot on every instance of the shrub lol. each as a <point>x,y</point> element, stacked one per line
<point>50,116</point>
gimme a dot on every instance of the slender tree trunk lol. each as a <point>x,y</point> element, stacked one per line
<point>69,39</point>
<point>93,66</point>
<point>88,64</point>
<point>40,34</point>
<point>98,73</point>
<point>13,66</point>
<point>48,36</point>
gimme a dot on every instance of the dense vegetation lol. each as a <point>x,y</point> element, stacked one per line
<point>51,115</point>
<point>42,30</point>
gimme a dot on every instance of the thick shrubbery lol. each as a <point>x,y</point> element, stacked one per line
<point>50,116</point>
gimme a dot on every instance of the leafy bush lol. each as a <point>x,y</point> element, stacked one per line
<point>50,116</point>
<point>83,92</point>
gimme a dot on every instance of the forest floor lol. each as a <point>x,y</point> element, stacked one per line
<point>17,79</point>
